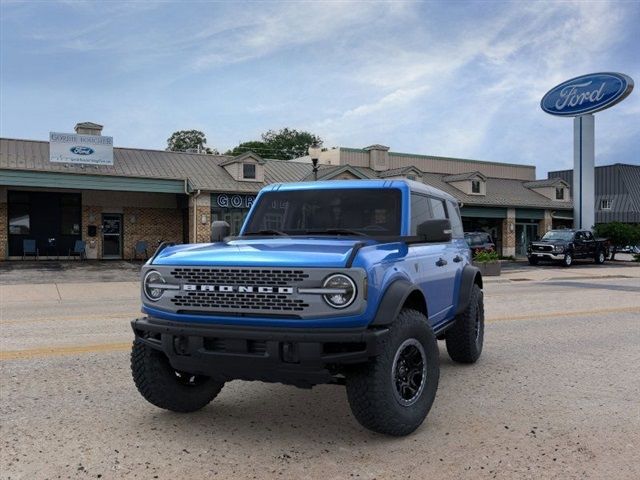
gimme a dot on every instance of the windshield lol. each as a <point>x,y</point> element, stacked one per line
<point>358,211</point>
<point>558,235</point>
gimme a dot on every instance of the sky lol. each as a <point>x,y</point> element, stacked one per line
<point>451,78</point>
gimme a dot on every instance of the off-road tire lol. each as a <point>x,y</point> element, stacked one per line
<point>466,337</point>
<point>600,257</point>
<point>372,387</point>
<point>161,385</point>
<point>532,260</point>
<point>567,261</point>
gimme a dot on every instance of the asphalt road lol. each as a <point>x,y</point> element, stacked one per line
<point>556,394</point>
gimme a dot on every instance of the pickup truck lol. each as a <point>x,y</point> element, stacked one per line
<point>347,282</point>
<point>565,246</point>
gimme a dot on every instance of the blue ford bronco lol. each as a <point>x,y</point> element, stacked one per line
<point>348,282</point>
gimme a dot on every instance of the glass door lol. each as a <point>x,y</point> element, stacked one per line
<point>525,233</point>
<point>111,235</point>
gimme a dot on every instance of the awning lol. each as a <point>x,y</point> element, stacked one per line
<point>24,178</point>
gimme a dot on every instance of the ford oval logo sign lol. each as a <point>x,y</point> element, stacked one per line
<point>81,150</point>
<point>587,94</point>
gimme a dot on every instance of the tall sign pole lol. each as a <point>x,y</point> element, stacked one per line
<point>580,98</point>
<point>584,215</point>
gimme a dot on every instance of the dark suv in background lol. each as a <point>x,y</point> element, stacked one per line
<point>479,242</point>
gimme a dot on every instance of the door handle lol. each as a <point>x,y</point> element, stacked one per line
<point>441,262</point>
<point>457,258</point>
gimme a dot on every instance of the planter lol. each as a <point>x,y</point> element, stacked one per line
<point>489,269</point>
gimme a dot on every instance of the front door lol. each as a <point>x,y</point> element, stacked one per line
<point>112,235</point>
<point>525,233</point>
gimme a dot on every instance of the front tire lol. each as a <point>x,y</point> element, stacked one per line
<point>600,257</point>
<point>567,261</point>
<point>160,384</point>
<point>466,337</point>
<point>393,393</point>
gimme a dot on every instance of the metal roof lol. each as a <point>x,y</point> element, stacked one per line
<point>205,172</point>
<point>547,182</point>
<point>464,176</point>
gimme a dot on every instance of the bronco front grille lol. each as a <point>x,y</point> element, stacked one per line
<point>237,276</point>
<point>218,301</point>
<point>543,248</point>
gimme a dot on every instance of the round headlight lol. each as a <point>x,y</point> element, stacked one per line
<point>344,291</point>
<point>559,248</point>
<point>151,287</point>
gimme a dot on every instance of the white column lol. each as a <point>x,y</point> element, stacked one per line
<point>583,172</point>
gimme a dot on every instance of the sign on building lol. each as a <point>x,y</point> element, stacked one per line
<point>80,149</point>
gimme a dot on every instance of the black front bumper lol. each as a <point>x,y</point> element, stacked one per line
<point>303,357</point>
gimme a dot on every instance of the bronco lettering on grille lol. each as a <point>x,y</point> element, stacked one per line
<point>237,289</point>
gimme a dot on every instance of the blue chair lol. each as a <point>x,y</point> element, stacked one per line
<point>79,249</point>
<point>29,248</point>
<point>140,247</point>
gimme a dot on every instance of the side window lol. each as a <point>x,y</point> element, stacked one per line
<point>420,211</point>
<point>588,236</point>
<point>579,236</point>
<point>456,223</point>
<point>437,208</point>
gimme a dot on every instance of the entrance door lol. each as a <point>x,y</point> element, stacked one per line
<point>525,233</point>
<point>111,235</point>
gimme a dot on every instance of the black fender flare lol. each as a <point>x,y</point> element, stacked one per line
<point>392,301</point>
<point>470,275</point>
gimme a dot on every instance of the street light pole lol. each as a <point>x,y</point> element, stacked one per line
<point>314,153</point>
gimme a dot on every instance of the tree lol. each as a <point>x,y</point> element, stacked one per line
<point>184,140</point>
<point>619,234</point>
<point>255,146</point>
<point>289,143</point>
<point>283,144</point>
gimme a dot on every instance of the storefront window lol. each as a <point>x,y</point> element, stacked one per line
<point>70,215</point>
<point>19,220</point>
<point>231,208</point>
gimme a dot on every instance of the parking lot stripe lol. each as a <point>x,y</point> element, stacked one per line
<point>62,351</point>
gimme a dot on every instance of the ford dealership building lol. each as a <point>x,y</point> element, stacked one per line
<point>78,187</point>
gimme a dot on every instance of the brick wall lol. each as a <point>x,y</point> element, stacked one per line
<point>509,233</point>
<point>202,207</point>
<point>152,225</point>
<point>545,224</point>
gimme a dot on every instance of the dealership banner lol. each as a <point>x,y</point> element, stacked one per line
<point>80,149</point>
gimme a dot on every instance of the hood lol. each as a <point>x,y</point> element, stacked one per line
<point>550,242</point>
<point>271,252</point>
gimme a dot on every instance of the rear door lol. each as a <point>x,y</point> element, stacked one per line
<point>445,265</point>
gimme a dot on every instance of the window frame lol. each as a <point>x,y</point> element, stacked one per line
<point>477,182</point>
<point>244,173</point>
<point>607,202</point>
<point>559,193</point>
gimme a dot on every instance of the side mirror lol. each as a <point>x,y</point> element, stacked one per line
<point>435,231</point>
<point>219,230</point>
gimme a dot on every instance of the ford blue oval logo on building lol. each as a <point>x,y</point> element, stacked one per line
<point>587,94</point>
<point>81,150</point>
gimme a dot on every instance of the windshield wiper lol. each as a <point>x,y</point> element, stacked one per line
<point>268,232</point>
<point>336,231</point>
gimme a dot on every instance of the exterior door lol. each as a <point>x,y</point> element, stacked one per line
<point>525,233</point>
<point>111,235</point>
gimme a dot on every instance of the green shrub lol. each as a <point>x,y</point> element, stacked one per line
<point>486,257</point>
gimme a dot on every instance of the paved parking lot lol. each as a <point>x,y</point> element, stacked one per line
<point>555,394</point>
